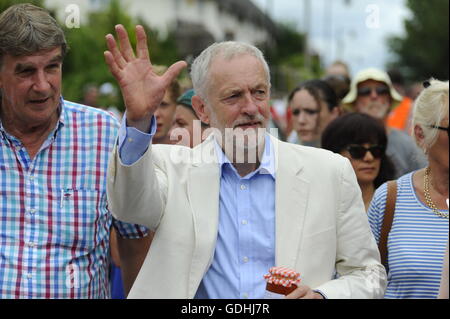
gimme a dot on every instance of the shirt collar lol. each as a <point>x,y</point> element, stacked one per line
<point>61,121</point>
<point>267,165</point>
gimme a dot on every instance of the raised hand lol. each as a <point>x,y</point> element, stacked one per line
<point>142,89</point>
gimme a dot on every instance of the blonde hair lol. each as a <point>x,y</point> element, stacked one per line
<point>430,107</point>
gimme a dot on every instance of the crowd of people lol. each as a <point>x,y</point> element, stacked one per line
<point>187,195</point>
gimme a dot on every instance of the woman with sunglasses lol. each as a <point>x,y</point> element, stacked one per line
<point>313,104</point>
<point>419,232</point>
<point>361,139</point>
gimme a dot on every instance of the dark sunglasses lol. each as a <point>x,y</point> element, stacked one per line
<point>358,151</point>
<point>441,128</point>
<point>381,90</point>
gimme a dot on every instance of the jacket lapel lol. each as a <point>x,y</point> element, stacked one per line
<point>291,204</point>
<point>203,192</point>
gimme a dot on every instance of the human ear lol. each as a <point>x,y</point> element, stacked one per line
<point>200,108</point>
<point>420,137</point>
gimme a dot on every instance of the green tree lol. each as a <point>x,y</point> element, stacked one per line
<point>423,51</point>
<point>85,62</point>
<point>287,59</point>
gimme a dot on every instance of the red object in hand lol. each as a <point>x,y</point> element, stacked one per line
<point>281,280</point>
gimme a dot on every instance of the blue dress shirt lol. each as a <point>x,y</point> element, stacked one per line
<point>245,248</point>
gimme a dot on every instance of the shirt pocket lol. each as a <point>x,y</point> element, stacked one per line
<point>83,219</point>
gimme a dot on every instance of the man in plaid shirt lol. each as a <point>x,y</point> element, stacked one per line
<point>54,219</point>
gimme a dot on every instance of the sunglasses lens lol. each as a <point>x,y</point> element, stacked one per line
<point>364,91</point>
<point>377,151</point>
<point>357,152</point>
<point>382,90</point>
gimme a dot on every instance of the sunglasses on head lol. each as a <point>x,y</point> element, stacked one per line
<point>441,128</point>
<point>358,151</point>
<point>381,90</point>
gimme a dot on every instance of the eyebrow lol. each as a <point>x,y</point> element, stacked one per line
<point>239,90</point>
<point>22,66</point>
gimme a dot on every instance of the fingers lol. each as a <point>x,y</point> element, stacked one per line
<point>124,42</point>
<point>141,46</point>
<point>116,54</point>
<point>126,53</point>
<point>112,65</point>
<point>304,292</point>
<point>298,293</point>
<point>173,71</point>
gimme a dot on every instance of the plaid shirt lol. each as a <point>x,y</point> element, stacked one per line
<point>54,220</point>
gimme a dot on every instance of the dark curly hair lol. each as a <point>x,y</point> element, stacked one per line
<point>358,128</point>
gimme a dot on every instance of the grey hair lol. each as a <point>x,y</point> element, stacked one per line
<point>26,29</point>
<point>430,107</point>
<point>227,50</point>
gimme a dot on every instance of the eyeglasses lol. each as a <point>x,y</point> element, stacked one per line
<point>441,128</point>
<point>358,151</point>
<point>381,90</point>
<point>297,112</point>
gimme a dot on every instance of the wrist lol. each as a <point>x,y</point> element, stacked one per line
<point>140,123</point>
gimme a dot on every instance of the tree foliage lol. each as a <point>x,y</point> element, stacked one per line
<point>85,65</point>
<point>288,59</point>
<point>85,62</point>
<point>424,50</point>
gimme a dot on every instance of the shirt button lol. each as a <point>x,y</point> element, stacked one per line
<point>130,139</point>
<point>244,222</point>
<point>31,244</point>
<point>245,259</point>
<point>245,295</point>
<point>243,187</point>
<point>33,210</point>
<point>31,177</point>
<point>29,276</point>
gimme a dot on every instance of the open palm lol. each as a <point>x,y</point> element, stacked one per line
<point>142,89</point>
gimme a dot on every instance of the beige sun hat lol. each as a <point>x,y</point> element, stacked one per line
<point>369,74</point>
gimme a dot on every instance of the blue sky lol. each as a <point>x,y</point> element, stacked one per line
<point>355,33</point>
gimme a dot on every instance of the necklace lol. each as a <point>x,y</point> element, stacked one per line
<point>426,191</point>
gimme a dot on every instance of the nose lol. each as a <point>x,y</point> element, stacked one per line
<point>250,107</point>
<point>41,82</point>
<point>368,157</point>
<point>302,117</point>
<point>373,94</point>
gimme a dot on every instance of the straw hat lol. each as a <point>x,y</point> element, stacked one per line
<point>370,74</point>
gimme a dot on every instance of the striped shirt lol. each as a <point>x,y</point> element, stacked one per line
<point>416,242</point>
<point>54,220</point>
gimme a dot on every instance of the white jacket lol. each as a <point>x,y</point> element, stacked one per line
<point>321,224</point>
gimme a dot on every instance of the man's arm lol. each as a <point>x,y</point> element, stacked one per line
<point>132,189</point>
<point>132,253</point>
